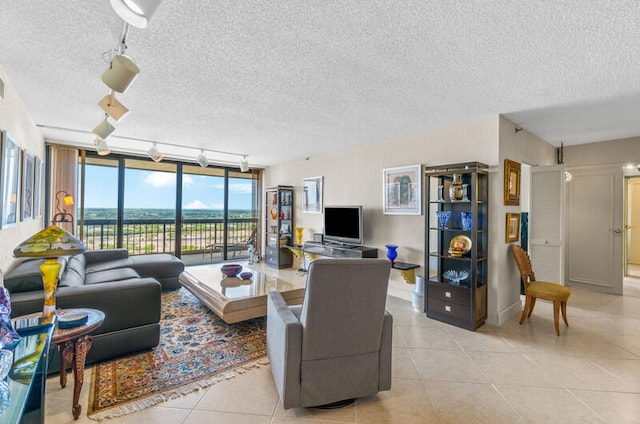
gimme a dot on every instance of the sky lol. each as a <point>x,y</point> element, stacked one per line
<point>157,190</point>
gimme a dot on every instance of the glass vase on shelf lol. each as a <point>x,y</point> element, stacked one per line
<point>443,217</point>
<point>465,187</point>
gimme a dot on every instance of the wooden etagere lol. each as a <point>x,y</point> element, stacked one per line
<point>455,253</point>
<point>279,226</point>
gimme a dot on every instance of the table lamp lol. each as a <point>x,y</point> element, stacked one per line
<point>50,244</point>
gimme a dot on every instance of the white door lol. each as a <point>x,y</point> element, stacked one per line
<point>594,228</point>
<point>632,227</point>
<point>546,242</point>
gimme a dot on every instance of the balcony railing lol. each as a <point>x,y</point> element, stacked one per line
<point>142,236</point>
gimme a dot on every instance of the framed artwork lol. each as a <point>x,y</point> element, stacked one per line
<point>511,183</point>
<point>402,188</point>
<point>9,175</point>
<point>312,195</point>
<point>28,175</point>
<point>37,188</point>
<point>513,228</point>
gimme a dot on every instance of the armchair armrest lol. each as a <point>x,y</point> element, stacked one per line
<point>284,347</point>
<point>93,256</point>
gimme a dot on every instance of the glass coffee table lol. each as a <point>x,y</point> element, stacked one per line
<point>235,299</point>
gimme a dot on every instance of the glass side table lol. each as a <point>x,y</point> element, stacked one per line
<point>28,374</point>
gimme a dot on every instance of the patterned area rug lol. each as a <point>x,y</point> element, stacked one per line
<point>196,350</point>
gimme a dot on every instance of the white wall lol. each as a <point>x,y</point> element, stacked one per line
<point>504,279</point>
<point>354,176</point>
<point>16,119</point>
<point>611,152</point>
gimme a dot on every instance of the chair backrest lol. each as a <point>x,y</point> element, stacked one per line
<point>343,307</point>
<point>524,264</point>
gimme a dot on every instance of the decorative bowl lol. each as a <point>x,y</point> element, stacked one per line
<point>455,276</point>
<point>456,252</point>
<point>231,270</point>
<point>246,275</point>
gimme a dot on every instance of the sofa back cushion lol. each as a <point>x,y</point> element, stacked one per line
<point>74,273</point>
<point>24,274</point>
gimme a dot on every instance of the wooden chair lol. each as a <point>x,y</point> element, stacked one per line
<point>533,289</point>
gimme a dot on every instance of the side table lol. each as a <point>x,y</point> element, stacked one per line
<point>74,343</point>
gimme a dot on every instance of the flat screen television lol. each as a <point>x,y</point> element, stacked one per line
<point>343,225</point>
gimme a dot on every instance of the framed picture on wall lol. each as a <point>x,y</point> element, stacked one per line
<point>37,188</point>
<point>28,178</point>
<point>402,189</point>
<point>9,176</point>
<point>513,228</point>
<point>511,183</point>
<point>312,195</point>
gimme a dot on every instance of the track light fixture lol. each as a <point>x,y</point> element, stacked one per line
<point>121,73</point>
<point>135,12</point>
<point>244,164</point>
<point>202,159</point>
<point>154,154</point>
<point>102,148</point>
<point>113,107</point>
<point>104,128</point>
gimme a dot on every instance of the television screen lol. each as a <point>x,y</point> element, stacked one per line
<point>343,224</point>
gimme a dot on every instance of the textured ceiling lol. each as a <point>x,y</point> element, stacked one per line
<point>284,80</point>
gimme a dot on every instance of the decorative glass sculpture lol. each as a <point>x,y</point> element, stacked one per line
<point>466,220</point>
<point>455,189</point>
<point>443,217</point>
<point>6,360</point>
<point>8,336</point>
<point>440,194</point>
<point>392,254</point>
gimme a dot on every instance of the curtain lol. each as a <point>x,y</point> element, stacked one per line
<point>64,181</point>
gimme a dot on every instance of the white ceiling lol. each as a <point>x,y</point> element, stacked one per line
<point>284,80</point>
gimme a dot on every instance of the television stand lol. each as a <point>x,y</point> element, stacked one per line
<point>339,251</point>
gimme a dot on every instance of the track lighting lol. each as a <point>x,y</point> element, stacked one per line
<point>202,160</point>
<point>102,148</point>
<point>104,128</point>
<point>244,164</point>
<point>154,154</point>
<point>113,107</point>
<point>135,12</point>
<point>121,73</point>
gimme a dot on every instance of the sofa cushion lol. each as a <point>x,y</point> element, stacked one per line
<point>110,275</point>
<point>104,266</point>
<point>76,265</point>
<point>24,275</point>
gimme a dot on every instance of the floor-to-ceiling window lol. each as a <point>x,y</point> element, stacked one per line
<point>200,214</point>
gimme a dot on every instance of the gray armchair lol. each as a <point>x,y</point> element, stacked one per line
<point>336,346</point>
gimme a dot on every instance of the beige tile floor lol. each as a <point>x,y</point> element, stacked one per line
<point>443,374</point>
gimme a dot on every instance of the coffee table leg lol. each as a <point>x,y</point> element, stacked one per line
<point>82,346</point>
<point>66,358</point>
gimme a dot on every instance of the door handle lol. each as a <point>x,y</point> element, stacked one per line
<point>617,231</point>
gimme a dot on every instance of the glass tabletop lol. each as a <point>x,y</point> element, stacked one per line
<point>25,369</point>
<point>255,284</point>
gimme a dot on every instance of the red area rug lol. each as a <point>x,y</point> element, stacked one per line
<point>196,349</point>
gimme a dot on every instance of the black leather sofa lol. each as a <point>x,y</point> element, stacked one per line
<point>126,288</point>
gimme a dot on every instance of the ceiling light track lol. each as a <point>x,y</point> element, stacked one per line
<point>243,162</point>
